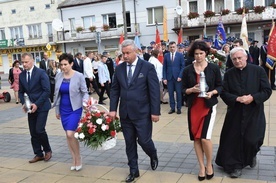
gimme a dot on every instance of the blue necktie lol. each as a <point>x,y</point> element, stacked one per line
<point>29,78</point>
<point>129,74</point>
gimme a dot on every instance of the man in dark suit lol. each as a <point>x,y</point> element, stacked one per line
<point>78,63</point>
<point>44,63</point>
<point>263,55</point>
<point>146,56</point>
<point>35,83</point>
<point>254,51</point>
<point>136,87</point>
<point>173,67</point>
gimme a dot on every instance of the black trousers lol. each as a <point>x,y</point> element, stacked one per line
<point>94,84</point>
<point>39,137</point>
<point>104,88</point>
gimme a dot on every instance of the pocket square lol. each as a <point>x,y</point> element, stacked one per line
<point>141,75</point>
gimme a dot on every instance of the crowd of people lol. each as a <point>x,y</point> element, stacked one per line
<point>136,82</point>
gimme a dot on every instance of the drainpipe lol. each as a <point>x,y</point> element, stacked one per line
<point>124,15</point>
<point>63,35</point>
<point>135,17</point>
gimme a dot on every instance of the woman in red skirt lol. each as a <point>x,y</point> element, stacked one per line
<point>202,110</point>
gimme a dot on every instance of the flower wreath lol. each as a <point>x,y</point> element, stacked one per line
<point>96,128</point>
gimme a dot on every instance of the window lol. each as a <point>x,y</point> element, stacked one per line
<point>72,24</point>
<point>110,19</point>
<point>0,13</point>
<point>32,8</point>
<point>34,31</point>
<point>47,6</point>
<point>209,5</point>
<point>269,2</point>
<point>193,6</point>
<point>155,15</point>
<point>244,3</point>
<point>50,32</point>
<point>219,5</point>
<point>13,11</point>
<point>2,34</point>
<point>88,22</point>
<point>16,32</point>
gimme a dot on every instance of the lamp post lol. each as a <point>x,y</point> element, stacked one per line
<point>98,40</point>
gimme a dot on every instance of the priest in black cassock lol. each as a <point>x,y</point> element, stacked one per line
<point>245,89</point>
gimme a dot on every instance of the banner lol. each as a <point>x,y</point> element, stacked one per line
<point>244,33</point>
<point>220,38</point>
<point>271,48</point>
<point>165,25</point>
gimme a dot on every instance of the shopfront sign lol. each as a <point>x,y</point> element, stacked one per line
<point>26,49</point>
<point>3,43</point>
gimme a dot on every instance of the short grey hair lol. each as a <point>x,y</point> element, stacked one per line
<point>27,54</point>
<point>236,49</point>
<point>129,42</point>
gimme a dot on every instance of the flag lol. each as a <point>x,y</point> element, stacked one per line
<point>121,40</point>
<point>165,25</point>
<point>220,38</point>
<point>244,33</point>
<point>271,48</point>
<point>157,37</point>
<point>158,44</point>
<point>137,41</point>
<point>180,34</point>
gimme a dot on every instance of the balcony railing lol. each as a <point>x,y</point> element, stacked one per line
<point>84,35</point>
<point>230,18</point>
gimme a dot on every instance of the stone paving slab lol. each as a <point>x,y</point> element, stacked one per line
<point>177,159</point>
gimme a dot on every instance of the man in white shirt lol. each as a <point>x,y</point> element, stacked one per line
<point>88,73</point>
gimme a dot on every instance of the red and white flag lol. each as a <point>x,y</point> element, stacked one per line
<point>180,35</point>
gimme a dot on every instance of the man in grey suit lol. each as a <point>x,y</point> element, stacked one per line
<point>136,86</point>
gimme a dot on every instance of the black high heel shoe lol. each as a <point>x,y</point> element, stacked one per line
<point>208,177</point>
<point>201,178</point>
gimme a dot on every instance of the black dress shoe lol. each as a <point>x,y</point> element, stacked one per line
<point>161,102</point>
<point>132,176</point>
<point>178,111</point>
<point>154,163</point>
<point>105,98</point>
<point>236,173</point>
<point>273,87</point>
<point>171,111</point>
<point>254,162</point>
<point>102,103</point>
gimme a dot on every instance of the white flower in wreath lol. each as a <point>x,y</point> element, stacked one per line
<point>76,135</point>
<point>81,136</point>
<point>80,125</point>
<point>99,121</point>
<point>104,127</point>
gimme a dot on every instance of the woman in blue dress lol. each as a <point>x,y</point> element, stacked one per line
<point>70,92</point>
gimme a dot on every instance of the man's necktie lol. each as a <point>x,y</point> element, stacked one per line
<point>129,74</point>
<point>172,57</point>
<point>29,78</point>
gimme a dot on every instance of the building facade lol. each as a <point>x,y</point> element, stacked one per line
<point>26,26</point>
<point>96,25</point>
<point>258,24</point>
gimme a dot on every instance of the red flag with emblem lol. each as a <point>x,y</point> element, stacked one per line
<point>180,35</point>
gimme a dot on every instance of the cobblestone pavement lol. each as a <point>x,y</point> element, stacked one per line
<point>177,159</point>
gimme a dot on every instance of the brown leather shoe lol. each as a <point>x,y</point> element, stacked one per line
<point>36,159</point>
<point>48,156</point>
